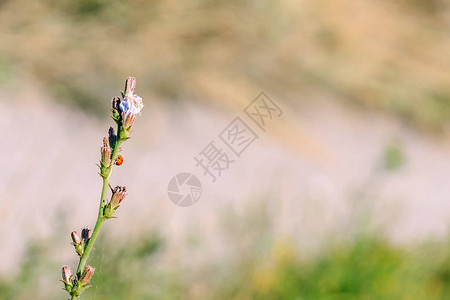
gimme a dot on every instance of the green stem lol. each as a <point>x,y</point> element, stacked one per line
<point>100,217</point>
<point>98,224</point>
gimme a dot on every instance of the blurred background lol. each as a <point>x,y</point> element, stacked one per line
<point>345,196</point>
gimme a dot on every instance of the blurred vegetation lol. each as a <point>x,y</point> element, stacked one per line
<point>366,267</point>
<point>391,56</point>
<point>394,156</point>
<point>386,55</point>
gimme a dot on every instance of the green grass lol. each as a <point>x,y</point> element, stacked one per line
<point>369,267</point>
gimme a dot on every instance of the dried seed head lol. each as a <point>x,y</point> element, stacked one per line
<point>106,152</point>
<point>66,275</point>
<point>87,274</point>
<point>75,238</point>
<point>86,233</point>
<point>118,195</point>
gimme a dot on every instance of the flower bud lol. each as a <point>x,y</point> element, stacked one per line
<point>106,153</point>
<point>66,275</point>
<point>119,193</point>
<point>67,278</point>
<point>86,234</point>
<point>112,137</point>
<point>115,109</point>
<point>128,121</point>
<point>86,276</point>
<point>115,103</point>
<point>75,238</point>
<point>77,243</point>
<point>130,84</point>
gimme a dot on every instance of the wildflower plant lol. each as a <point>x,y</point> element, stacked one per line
<point>124,112</point>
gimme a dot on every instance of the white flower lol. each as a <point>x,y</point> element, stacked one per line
<point>131,104</point>
<point>130,107</point>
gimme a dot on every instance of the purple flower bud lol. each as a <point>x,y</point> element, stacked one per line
<point>115,103</point>
<point>112,137</point>
<point>86,233</point>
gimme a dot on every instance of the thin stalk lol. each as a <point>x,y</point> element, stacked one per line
<point>98,224</point>
<point>100,217</point>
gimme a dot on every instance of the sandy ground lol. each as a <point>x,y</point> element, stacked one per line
<point>310,172</point>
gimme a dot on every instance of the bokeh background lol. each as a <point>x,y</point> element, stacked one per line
<point>345,196</point>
